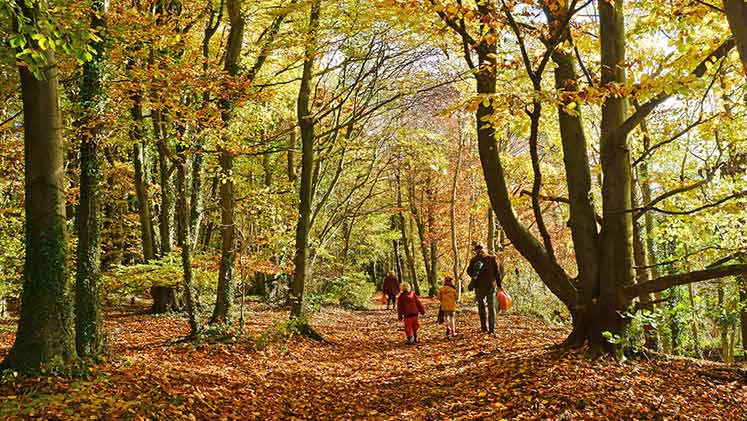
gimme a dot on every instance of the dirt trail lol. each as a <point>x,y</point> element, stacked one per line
<point>367,372</point>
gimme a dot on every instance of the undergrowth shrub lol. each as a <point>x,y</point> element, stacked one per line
<point>353,291</point>
<point>123,282</point>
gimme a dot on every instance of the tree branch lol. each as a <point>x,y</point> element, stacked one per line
<point>665,282</point>
<point>694,210</point>
<point>644,110</point>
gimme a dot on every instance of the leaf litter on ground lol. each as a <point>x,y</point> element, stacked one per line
<point>365,371</point>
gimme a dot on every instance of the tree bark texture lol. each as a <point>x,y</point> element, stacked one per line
<point>432,240</point>
<point>45,336</point>
<point>225,292</point>
<point>184,241</point>
<point>456,264</point>
<point>89,325</point>
<point>307,127</point>
<point>165,225</point>
<point>736,14</point>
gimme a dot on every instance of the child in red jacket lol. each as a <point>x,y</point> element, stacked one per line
<point>408,308</point>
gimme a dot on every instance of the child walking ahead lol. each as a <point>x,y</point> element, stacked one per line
<point>408,308</point>
<point>447,295</point>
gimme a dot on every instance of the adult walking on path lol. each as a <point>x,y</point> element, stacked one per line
<point>391,289</point>
<point>486,279</point>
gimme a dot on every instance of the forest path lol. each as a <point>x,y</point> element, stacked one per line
<point>366,371</point>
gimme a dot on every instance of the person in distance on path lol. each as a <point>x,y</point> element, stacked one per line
<point>408,309</point>
<point>447,296</point>
<point>391,289</point>
<point>486,274</point>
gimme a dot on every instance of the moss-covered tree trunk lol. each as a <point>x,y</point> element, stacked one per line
<point>139,159</point>
<point>195,200</point>
<point>225,293</point>
<point>184,242</point>
<point>89,326</point>
<point>45,336</point>
<point>165,170</point>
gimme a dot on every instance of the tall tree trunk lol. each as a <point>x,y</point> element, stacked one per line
<point>742,285</point>
<point>648,224</point>
<point>45,336</point>
<point>408,248</point>
<point>141,186</point>
<point>723,325</point>
<point>408,245</point>
<point>164,297</point>
<point>456,264</point>
<point>89,325</point>
<point>306,124</point>
<point>423,249</point>
<point>420,225</point>
<point>195,201</point>
<point>267,168</point>
<point>225,292</point>
<point>736,14</point>
<point>165,225</point>
<point>291,157</point>
<point>433,241</point>
<point>490,245</point>
<point>641,273</point>
<point>494,175</point>
<point>695,317</point>
<point>411,235</point>
<point>183,239</point>
<point>395,249</point>
<point>617,223</point>
<point>694,322</point>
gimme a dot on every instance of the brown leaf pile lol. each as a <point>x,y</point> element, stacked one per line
<point>367,372</point>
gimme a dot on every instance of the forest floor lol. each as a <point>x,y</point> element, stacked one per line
<point>366,371</point>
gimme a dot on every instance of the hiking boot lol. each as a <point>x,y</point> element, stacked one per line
<point>448,332</point>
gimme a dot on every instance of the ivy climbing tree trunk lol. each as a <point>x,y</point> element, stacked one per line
<point>307,126</point>
<point>89,325</point>
<point>45,337</point>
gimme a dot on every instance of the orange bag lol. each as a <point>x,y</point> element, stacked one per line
<point>504,300</point>
<point>384,298</point>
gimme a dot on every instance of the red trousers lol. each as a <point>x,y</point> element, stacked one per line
<point>411,325</point>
